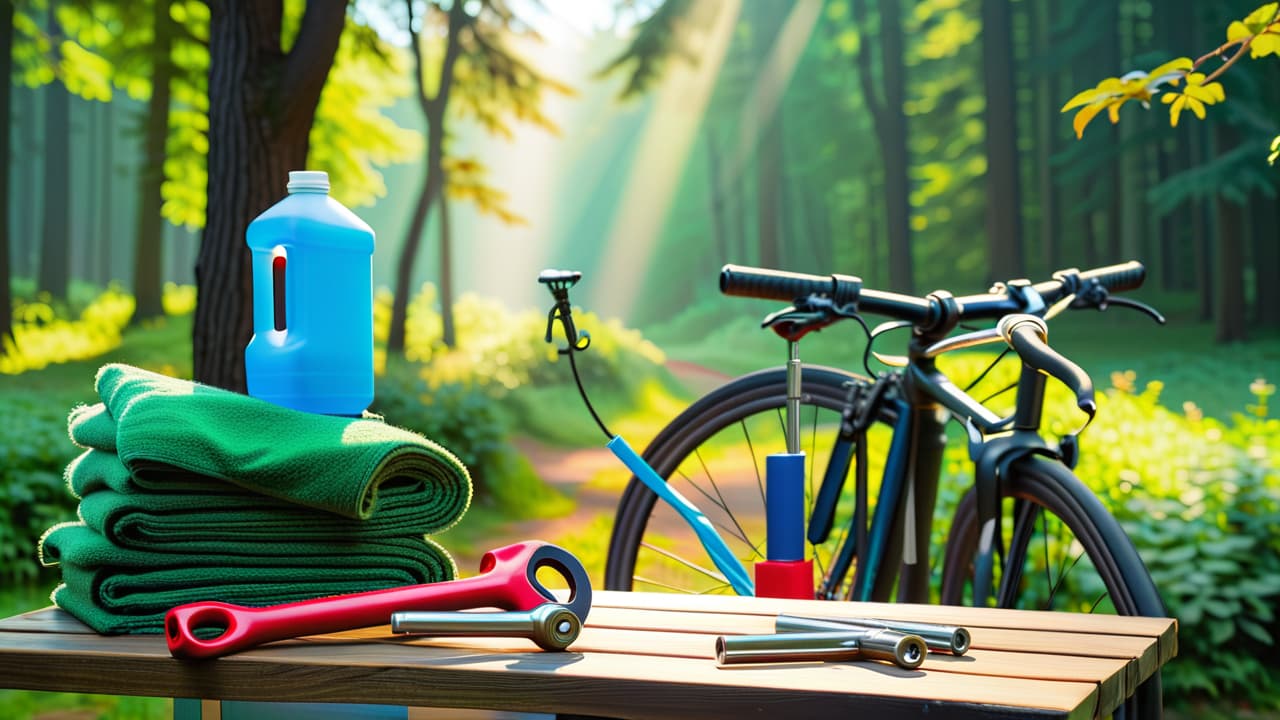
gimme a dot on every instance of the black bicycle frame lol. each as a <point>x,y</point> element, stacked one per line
<point>914,465</point>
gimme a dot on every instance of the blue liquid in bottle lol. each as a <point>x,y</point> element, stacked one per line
<point>312,347</point>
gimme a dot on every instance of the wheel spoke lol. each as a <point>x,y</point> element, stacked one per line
<point>686,562</point>
<point>674,588</point>
<point>755,463</point>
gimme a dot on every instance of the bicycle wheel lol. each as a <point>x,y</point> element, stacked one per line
<point>714,454</point>
<point>1062,550</point>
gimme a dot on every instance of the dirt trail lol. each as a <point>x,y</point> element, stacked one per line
<point>571,471</point>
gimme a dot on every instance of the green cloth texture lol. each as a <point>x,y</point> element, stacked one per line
<point>116,590</point>
<point>191,493</point>
<point>202,522</point>
<point>176,432</point>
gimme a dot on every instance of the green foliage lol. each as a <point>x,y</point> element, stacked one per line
<point>500,350</point>
<point>33,450</point>
<point>504,376</point>
<point>1200,499</point>
<point>350,138</point>
<point>461,418</point>
<point>1204,513</point>
<point>47,332</point>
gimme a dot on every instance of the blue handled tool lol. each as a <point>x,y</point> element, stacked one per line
<point>721,555</point>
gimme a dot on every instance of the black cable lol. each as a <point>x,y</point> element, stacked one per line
<point>573,365</point>
<point>990,367</point>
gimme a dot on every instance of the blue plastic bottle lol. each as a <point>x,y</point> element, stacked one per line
<point>312,347</point>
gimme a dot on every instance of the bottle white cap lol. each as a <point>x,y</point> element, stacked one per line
<point>308,181</point>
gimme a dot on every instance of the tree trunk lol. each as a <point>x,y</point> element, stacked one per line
<point>768,189</point>
<point>1229,305</point>
<point>262,102</point>
<point>890,123</point>
<point>56,245</point>
<point>894,149</point>
<point>1266,261</point>
<point>448,334</point>
<point>433,108</point>
<point>106,184</point>
<point>148,255</point>
<point>1047,117</point>
<point>1004,200</point>
<point>716,197</point>
<point>1201,227</point>
<point>6,93</point>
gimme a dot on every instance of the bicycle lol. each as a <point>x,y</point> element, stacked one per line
<point>1027,520</point>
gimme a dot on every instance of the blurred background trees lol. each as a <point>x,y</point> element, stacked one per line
<point>916,144</point>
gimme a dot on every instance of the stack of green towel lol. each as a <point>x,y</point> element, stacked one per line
<point>191,493</point>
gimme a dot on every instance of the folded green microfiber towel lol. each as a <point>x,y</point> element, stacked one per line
<point>115,590</point>
<point>231,521</point>
<point>167,430</point>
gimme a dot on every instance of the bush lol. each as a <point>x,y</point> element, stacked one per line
<point>88,324</point>
<point>1201,500</point>
<point>34,449</point>
<point>462,419</point>
<point>499,350</point>
<point>1204,511</point>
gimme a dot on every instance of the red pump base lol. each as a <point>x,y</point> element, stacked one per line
<point>792,579</point>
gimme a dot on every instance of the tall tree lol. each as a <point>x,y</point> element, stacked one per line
<point>55,248</point>
<point>1046,140</point>
<point>500,83</point>
<point>1229,299</point>
<point>1004,197</point>
<point>262,101</point>
<point>6,92</point>
<point>890,122</point>
<point>148,259</point>
<point>433,107</point>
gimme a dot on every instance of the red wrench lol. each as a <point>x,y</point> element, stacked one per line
<point>507,580</point>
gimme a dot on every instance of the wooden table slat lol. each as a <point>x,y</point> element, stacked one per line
<point>640,655</point>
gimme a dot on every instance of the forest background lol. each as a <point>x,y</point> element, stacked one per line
<point>918,145</point>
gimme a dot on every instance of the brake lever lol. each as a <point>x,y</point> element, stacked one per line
<point>1096,296</point>
<point>1135,305</point>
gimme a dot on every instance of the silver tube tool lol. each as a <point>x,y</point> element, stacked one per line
<point>553,627</point>
<point>904,650</point>
<point>938,638</point>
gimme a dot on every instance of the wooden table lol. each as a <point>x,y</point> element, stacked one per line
<point>640,655</point>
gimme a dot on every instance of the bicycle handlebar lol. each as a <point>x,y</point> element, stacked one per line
<point>786,286</point>
<point>1028,336</point>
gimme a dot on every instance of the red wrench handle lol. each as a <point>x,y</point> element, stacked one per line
<point>507,581</point>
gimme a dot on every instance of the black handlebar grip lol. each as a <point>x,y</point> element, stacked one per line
<point>1026,334</point>
<point>786,286</point>
<point>1118,278</point>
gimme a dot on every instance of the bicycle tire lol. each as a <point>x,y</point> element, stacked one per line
<point>1050,486</point>
<point>758,394</point>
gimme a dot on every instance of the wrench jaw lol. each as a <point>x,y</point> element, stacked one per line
<point>571,569</point>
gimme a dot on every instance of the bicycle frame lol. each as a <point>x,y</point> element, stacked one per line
<point>928,400</point>
<point>914,463</point>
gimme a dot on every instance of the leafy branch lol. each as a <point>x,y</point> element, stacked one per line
<point>1258,34</point>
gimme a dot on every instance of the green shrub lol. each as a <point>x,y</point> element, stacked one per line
<point>1201,500</point>
<point>34,449</point>
<point>1204,511</point>
<point>462,419</point>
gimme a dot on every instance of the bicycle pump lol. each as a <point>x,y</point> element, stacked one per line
<point>785,572</point>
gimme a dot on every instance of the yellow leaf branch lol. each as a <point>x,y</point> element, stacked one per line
<point>1259,34</point>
